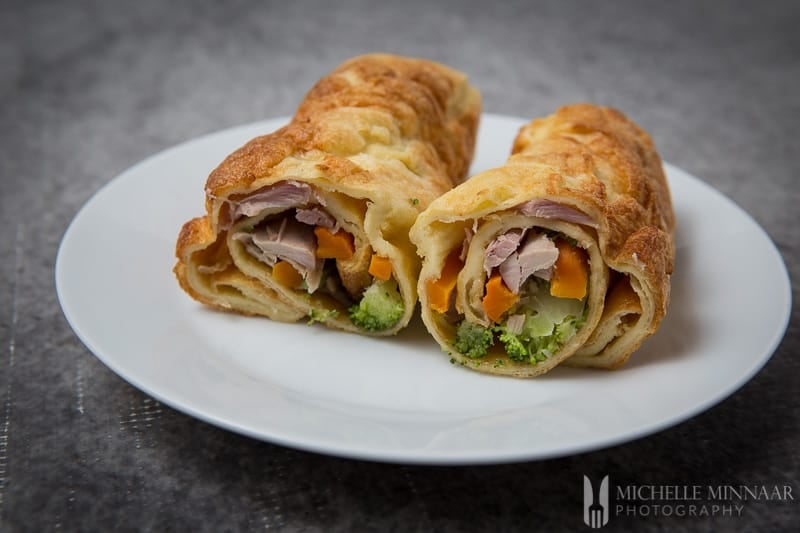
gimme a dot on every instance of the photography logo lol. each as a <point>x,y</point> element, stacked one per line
<point>595,505</point>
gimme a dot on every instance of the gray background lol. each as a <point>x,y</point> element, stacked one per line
<point>89,88</point>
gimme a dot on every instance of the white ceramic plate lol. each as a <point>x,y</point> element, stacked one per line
<point>400,399</point>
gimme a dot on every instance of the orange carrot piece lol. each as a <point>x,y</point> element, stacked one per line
<point>286,275</point>
<point>440,290</point>
<point>571,272</point>
<point>331,245</point>
<point>498,298</point>
<point>380,267</point>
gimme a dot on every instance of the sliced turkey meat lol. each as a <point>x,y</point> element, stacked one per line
<point>536,256</point>
<point>288,240</point>
<point>555,211</point>
<point>281,195</point>
<point>501,248</point>
<point>315,216</point>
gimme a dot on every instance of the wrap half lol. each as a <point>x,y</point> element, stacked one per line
<point>312,220</point>
<point>564,254</point>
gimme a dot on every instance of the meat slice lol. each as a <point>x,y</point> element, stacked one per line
<point>536,256</point>
<point>539,253</point>
<point>315,216</point>
<point>510,273</point>
<point>281,195</point>
<point>501,248</point>
<point>290,241</point>
<point>555,211</point>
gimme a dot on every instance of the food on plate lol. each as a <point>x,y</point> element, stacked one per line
<point>312,221</point>
<point>562,255</point>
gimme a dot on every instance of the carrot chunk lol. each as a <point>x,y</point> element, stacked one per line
<point>498,298</point>
<point>440,290</point>
<point>331,245</point>
<point>380,267</point>
<point>286,275</point>
<point>571,272</point>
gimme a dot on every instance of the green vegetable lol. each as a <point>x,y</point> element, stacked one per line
<point>315,315</point>
<point>473,340</point>
<point>530,345</point>
<point>515,347</point>
<point>549,323</point>
<point>380,307</point>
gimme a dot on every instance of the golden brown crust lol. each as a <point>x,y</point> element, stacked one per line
<point>376,132</point>
<point>637,236</point>
<point>593,159</point>
<point>607,140</point>
<point>196,230</point>
<point>419,96</point>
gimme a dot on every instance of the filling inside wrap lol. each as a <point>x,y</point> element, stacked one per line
<point>308,242</point>
<point>517,286</point>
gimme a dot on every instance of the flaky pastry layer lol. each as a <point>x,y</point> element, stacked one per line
<point>377,140</point>
<point>593,160</point>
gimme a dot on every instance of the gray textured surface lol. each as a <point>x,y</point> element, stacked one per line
<point>89,88</point>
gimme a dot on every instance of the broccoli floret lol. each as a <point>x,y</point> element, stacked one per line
<point>315,315</point>
<point>540,338</point>
<point>473,340</point>
<point>515,348</point>
<point>380,307</point>
<point>541,348</point>
<point>531,346</point>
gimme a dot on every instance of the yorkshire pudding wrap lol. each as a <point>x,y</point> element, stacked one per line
<point>564,254</point>
<point>313,219</point>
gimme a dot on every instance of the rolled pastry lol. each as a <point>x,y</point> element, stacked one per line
<point>564,254</point>
<point>312,220</point>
